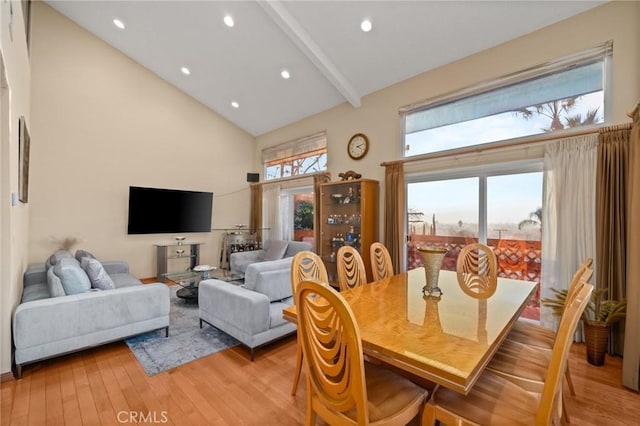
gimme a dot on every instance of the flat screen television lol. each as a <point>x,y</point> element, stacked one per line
<point>168,211</point>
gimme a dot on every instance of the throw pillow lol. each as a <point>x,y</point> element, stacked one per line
<point>97,275</point>
<point>74,279</point>
<point>56,256</point>
<point>276,250</point>
<point>54,284</point>
<point>83,253</point>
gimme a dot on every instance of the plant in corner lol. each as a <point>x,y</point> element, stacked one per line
<point>597,318</point>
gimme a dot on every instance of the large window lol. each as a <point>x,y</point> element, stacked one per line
<point>296,158</point>
<point>563,94</point>
<point>500,206</point>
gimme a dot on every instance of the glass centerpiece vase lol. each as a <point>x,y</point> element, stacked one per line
<point>432,260</point>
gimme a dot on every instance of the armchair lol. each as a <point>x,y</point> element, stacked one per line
<point>238,262</point>
<point>252,313</point>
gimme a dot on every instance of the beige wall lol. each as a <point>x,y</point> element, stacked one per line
<point>378,116</point>
<point>14,223</point>
<point>101,123</point>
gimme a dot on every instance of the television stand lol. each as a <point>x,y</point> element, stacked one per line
<point>168,252</point>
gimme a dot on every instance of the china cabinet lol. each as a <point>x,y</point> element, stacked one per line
<point>348,216</point>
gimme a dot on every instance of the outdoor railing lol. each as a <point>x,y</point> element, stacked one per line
<point>517,259</point>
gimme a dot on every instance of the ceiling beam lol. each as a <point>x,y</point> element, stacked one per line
<point>292,28</point>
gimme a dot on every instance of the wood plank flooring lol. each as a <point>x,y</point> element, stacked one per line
<point>107,386</point>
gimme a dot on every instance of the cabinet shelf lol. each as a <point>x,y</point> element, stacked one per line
<point>362,208</point>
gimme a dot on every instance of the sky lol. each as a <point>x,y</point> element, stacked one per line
<point>511,198</point>
<point>498,127</point>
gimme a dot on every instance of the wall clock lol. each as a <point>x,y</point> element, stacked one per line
<point>358,146</point>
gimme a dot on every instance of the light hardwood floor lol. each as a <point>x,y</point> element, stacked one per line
<point>107,386</point>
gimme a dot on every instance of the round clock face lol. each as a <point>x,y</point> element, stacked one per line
<point>358,146</point>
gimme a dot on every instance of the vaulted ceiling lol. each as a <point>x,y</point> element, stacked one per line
<point>329,58</point>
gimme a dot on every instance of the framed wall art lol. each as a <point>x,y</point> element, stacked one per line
<point>23,166</point>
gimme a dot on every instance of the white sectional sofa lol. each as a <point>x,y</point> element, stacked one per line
<point>49,322</point>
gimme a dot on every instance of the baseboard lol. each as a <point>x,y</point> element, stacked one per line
<point>6,377</point>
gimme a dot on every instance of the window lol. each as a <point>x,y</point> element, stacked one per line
<point>295,158</point>
<point>563,94</point>
<point>500,206</point>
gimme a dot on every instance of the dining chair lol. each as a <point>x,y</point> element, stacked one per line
<point>526,365</point>
<point>306,265</point>
<point>477,270</point>
<point>496,400</point>
<point>535,335</point>
<point>341,387</point>
<point>351,272</point>
<point>381,265</point>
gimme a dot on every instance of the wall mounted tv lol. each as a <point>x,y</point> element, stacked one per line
<point>168,211</point>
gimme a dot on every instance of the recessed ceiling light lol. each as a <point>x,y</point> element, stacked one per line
<point>235,104</point>
<point>118,23</point>
<point>185,70</point>
<point>366,26</point>
<point>285,74</point>
<point>228,21</point>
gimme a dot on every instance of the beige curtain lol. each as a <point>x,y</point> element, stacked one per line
<point>255,220</point>
<point>394,218</point>
<point>317,180</point>
<point>631,360</point>
<point>611,219</point>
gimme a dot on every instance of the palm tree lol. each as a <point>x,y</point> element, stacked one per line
<point>535,219</point>
<point>576,120</point>
<point>554,110</point>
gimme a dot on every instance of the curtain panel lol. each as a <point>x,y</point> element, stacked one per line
<point>611,220</point>
<point>255,219</point>
<point>568,214</point>
<point>631,360</point>
<point>394,218</point>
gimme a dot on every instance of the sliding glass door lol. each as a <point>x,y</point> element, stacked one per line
<point>500,206</point>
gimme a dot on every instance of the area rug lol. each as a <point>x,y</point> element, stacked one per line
<point>186,341</point>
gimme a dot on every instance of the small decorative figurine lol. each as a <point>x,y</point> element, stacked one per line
<point>349,175</point>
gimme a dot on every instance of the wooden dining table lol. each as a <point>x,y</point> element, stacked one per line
<point>449,339</point>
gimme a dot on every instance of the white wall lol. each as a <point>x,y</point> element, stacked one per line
<point>378,116</point>
<point>14,226</point>
<point>101,123</point>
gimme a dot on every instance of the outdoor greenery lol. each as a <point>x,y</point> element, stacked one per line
<point>535,219</point>
<point>598,311</point>
<point>560,110</point>
<point>303,215</point>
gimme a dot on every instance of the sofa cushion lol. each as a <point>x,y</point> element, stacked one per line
<point>124,280</point>
<point>275,312</point>
<point>56,256</point>
<point>295,247</point>
<point>74,279</point>
<point>97,275</point>
<point>83,253</point>
<point>271,284</point>
<point>54,284</point>
<point>35,292</point>
<point>276,250</point>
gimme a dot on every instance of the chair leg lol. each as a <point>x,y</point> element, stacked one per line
<point>565,413</point>
<point>567,374</point>
<point>428,414</point>
<point>296,378</point>
<point>166,332</point>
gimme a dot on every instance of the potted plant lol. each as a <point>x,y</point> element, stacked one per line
<point>597,319</point>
